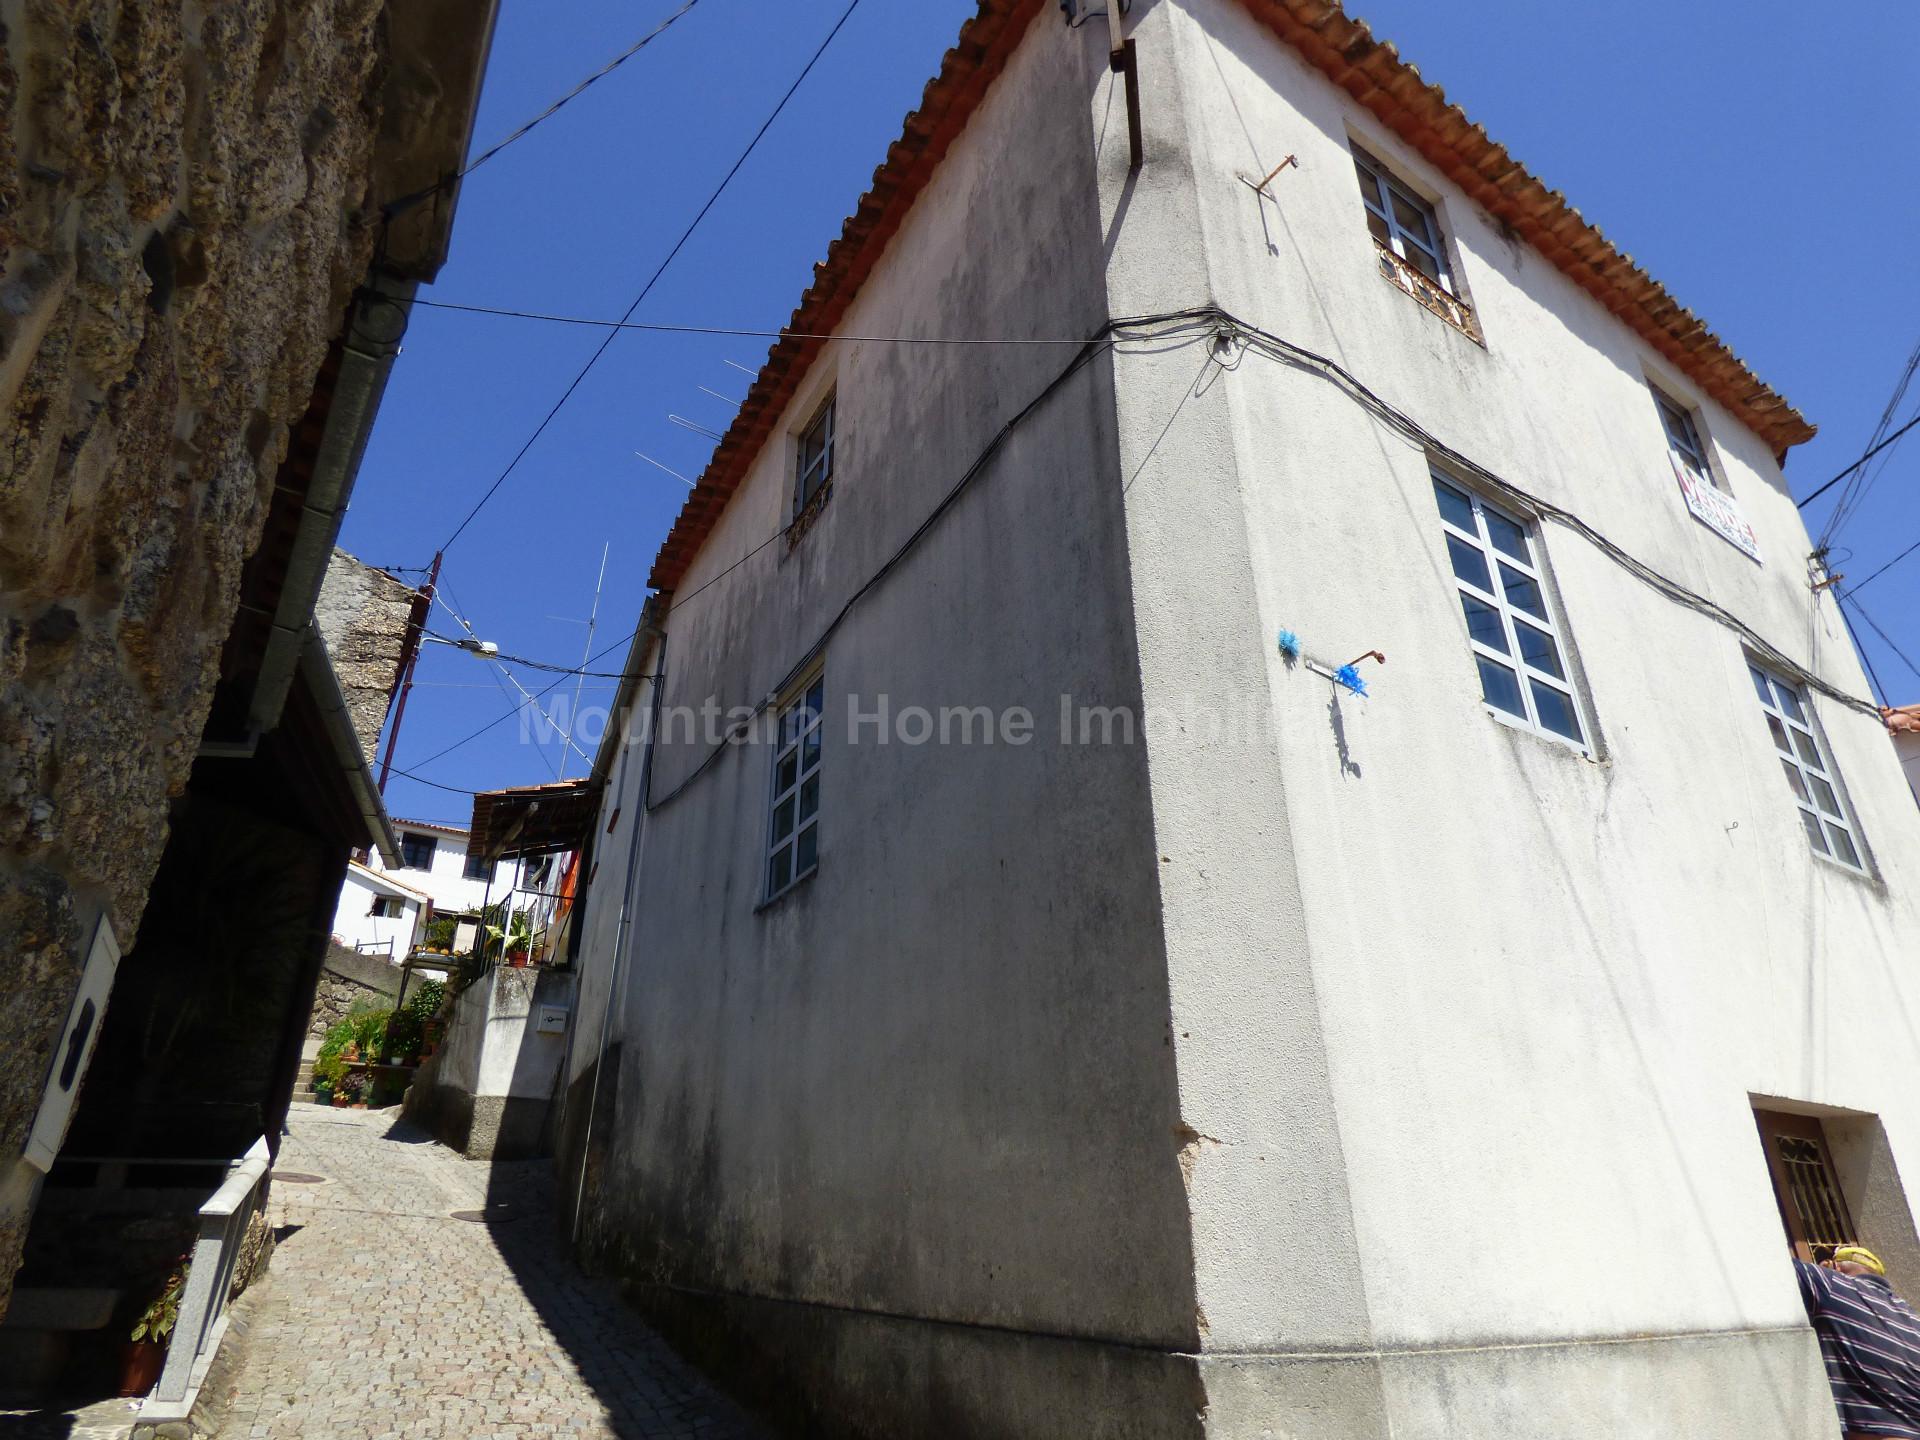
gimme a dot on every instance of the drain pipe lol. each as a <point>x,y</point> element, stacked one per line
<point>624,930</point>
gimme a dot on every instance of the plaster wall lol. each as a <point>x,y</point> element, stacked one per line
<point>928,1090</point>
<point>356,927</point>
<point>1548,985</point>
<point>445,879</point>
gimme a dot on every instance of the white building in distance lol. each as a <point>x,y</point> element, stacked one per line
<point>1071,1007</point>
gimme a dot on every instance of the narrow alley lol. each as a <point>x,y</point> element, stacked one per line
<point>414,1293</point>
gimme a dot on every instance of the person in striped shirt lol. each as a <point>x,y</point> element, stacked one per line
<point>1870,1340</point>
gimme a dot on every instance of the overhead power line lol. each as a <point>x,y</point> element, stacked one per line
<point>1890,440</point>
<point>1856,589</point>
<point>1864,477</point>
<point>407,202</point>
<point>749,333</point>
<point>1888,639</point>
<point>654,278</point>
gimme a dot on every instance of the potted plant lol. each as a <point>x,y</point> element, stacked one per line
<point>146,1350</point>
<point>517,938</point>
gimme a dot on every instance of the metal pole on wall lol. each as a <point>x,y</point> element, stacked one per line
<point>409,657</point>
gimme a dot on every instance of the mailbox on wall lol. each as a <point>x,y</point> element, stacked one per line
<point>552,1021</point>
<point>75,1049</point>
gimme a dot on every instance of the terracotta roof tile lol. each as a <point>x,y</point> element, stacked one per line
<point>1344,49</point>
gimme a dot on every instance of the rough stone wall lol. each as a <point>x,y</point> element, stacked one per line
<point>362,616</point>
<point>344,977</point>
<point>183,194</point>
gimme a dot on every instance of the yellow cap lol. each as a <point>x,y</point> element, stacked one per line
<point>1860,1255</point>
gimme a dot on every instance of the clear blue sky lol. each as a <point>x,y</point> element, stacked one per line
<point>1757,157</point>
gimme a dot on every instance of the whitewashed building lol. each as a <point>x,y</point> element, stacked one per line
<point>379,914</point>
<point>1068,1006</point>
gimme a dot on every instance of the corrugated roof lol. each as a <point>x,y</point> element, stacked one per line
<point>1346,52</point>
<point>381,877</point>
<point>533,819</point>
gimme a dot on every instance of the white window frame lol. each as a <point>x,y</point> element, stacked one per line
<point>1379,196</point>
<point>1512,615</point>
<point>1688,443</point>
<point>1832,832</point>
<point>801,720</point>
<point>825,416</point>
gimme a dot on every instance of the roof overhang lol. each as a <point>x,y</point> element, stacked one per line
<point>533,819</point>
<point>379,880</point>
<point>1345,51</point>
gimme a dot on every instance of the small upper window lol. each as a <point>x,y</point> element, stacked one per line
<point>1402,221</point>
<point>814,467</point>
<point>478,868</point>
<point>416,851</point>
<point>1516,645</point>
<point>1683,438</point>
<point>793,844</point>
<point>1809,776</point>
<point>385,907</point>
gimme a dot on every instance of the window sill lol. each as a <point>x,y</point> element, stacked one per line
<point>1545,737</point>
<point>1432,296</point>
<point>1857,875</point>
<point>792,885</point>
<point>809,514</point>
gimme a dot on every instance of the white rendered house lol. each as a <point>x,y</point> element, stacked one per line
<point>379,913</point>
<point>1069,1005</point>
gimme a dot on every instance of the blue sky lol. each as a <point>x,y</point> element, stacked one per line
<point>1755,158</point>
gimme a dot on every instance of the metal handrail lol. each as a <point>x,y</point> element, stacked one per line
<point>224,1219</point>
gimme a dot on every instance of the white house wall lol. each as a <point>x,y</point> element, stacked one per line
<point>1548,985</point>
<point>355,925</point>
<point>923,1103</point>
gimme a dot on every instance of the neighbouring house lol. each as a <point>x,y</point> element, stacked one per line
<point>492,1088</point>
<point>380,914</point>
<point>1903,724</point>
<point>213,219</point>
<point>434,861</point>
<point>1278,844</point>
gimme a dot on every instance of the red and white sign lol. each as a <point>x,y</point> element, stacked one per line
<point>1717,510</point>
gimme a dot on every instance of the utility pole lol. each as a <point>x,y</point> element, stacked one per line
<point>409,657</point>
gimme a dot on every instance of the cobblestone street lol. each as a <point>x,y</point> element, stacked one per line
<point>386,1316</point>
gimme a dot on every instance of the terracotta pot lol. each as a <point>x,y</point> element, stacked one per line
<point>340,1102</point>
<point>517,958</point>
<point>359,1105</point>
<point>140,1362</point>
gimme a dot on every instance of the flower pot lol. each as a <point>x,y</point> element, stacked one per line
<point>517,959</point>
<point>340,1102</point>
<point>322,1095</point>
<point>140,1362</point>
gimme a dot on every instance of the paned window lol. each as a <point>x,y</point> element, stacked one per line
<point>1811,779</point>
<point>793,844</point>
<point>815,460</point>
<point>1516,645</point>
<point>1402,221</point>
<point>1683,438</point>
<point>385,907</point>
<point>478,868</point>
<point>416,851</point>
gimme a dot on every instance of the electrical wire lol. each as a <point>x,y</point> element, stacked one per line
<point>1855,493</point>
<point>1892,439</point>
<point>1888,639</point>
<point>1856,589</point>
<point>751,334</point>
<point>546,667</point>
<point>654,278</point>
<point>407,202</point>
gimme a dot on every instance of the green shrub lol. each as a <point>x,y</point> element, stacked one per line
<point>425,1002</point>
<point>366,1002</point>
<point>405,1035</point>
<point>370,1032</point>
<point>440,931</point>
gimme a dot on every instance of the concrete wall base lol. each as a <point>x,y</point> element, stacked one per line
<point>1746,1385</point>
<point>857,1375</point>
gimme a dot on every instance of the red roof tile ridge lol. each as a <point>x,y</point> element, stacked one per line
<point>1341,47</point>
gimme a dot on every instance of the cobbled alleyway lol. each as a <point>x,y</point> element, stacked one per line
<point>386,1316</point>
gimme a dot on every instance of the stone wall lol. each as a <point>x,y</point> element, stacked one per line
<point>345,976</point>
<point>183,214</point>
<point>362,616</point>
